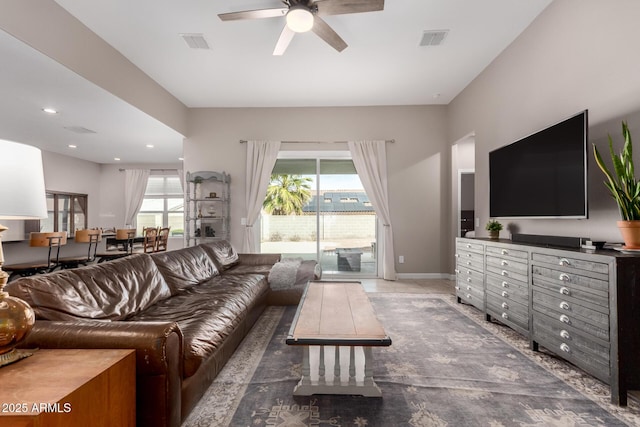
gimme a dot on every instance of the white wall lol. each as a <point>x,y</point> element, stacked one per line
<point>577,54</point>
<point>417,162</point>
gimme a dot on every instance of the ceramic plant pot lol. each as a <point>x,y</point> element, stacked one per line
<point>630,231</point>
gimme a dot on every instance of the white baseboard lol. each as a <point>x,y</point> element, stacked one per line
<point>444,276</point>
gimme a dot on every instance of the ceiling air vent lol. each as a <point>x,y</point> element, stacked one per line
<point>433,37</point>
<point>195,41</point>
<point>79,129</point>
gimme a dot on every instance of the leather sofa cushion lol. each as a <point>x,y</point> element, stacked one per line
<point>207,313</point>
<point>249,269</point>
<point>222,253</point>
<point>185,268</point>
<point>108,291</point>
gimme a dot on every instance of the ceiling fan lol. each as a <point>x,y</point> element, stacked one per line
<point>305,15</point>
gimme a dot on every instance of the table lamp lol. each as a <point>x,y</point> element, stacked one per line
<point>22,196</point>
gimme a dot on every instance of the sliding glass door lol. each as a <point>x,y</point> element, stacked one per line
<point>316,208</point>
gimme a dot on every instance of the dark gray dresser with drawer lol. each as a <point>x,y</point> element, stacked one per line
<point>582,305</point>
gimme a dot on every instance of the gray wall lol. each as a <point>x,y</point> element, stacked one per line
<point>578,54</point>
<point>418,162</point>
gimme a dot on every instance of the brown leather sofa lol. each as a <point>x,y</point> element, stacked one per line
<point>183,311</point>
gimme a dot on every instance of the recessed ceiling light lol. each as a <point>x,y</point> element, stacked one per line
<point>149,145</point>
<point>50,110</point>
<point>117,159</point>
<point>72,146</point>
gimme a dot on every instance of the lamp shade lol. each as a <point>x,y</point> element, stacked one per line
<point>22,192</point>
<point>299,19</point>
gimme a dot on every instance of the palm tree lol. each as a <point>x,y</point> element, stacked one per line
<point>287,194</point>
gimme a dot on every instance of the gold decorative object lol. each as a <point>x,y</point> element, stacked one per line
<point>16,320</point>
<point>22,194</point>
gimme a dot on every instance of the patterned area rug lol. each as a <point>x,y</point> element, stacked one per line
<point>446,367</point>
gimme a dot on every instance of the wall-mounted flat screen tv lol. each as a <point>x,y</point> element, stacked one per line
<point>543,175</point>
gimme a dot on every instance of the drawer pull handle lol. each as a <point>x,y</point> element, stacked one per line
<point>469,296</point>
<point>468,262</point>
<point>564,334</point>
<point>564,261</point>
<point>505,305</point>
<point>504,273</point>
<point>469,272</point>
<point>565,291</point>
<point>505,284</point>
<point>469,279</point>
<point>468,288</point>
<point>468,245</point>
<point>505,316</point>
<point>564,347</point>
<point>505,294</point>
<point>565,305</point>
<point>504,262</point>
<point>457,271</point>
<point>457,288</point>
<point>457,255</point>
<point>565,319</point>
<point>565,277</point>
<point>469,255</point>
<point>504,252</point>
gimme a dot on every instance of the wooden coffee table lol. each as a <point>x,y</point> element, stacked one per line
<point>337,316</point>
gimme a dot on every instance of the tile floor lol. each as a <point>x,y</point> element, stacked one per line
<point>426,286</point>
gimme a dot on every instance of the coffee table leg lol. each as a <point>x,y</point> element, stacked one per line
<point>306,367</point>
<point>367,387</point>
<point>321,367</point>
<point>352,366</point>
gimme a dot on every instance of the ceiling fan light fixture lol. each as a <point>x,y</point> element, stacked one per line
<point>299,19</point>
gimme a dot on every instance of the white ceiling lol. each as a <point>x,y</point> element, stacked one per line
<point>383,65</point>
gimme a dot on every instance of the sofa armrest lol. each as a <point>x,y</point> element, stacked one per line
<point>159,361</point>
<point>158,345</point>
<point>258,259</point>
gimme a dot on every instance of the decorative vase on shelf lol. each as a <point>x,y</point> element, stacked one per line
<point>494,234</point>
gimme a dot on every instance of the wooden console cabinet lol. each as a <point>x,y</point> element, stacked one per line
<point>582,305</point>
<point>69,388</point>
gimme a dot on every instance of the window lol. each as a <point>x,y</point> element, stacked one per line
<point>163,204</point>
<point>66,212</point>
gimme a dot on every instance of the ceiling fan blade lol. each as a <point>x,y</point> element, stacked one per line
<point>339,7</point>
<point>326,33</point>
<point>283,42</point>
<point>254,14</point>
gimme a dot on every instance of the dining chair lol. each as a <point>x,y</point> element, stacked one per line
<point>123,247</point>
<point>53,239</point>
<point>163,239</point>
<point>92,237</point>
<point>150,239</point>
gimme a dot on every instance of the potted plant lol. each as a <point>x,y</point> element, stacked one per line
<point>493,227</point>
<point>624,188</point>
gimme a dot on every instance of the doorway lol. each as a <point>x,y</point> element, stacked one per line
<point>328,217</point>
<point>466,212</point>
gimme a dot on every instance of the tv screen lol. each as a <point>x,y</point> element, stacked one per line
<point>543,175</point>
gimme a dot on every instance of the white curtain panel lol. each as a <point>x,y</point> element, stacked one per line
<point>261,157</point>
<point>135,185</point>
<point>370,160</point>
